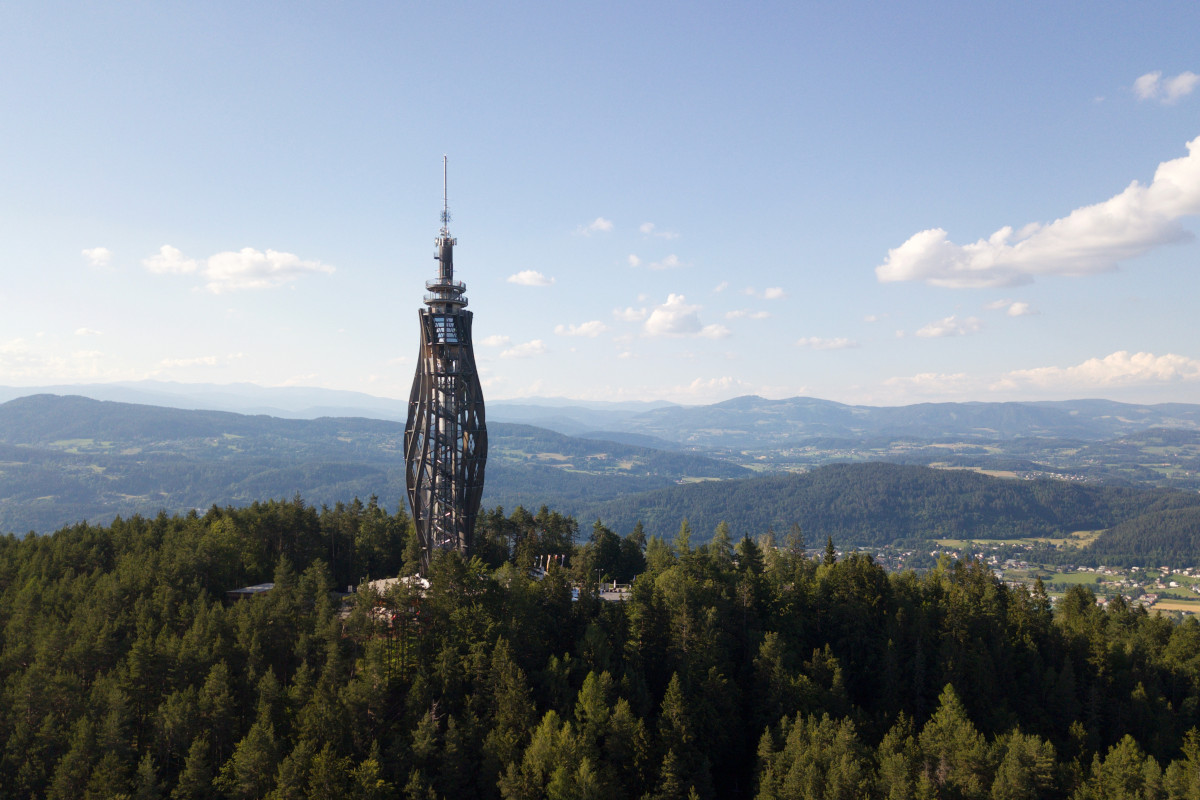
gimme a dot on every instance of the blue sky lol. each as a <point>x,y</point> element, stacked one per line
<point>871,203</point>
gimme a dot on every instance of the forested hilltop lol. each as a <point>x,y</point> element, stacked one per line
<point>732,670</point>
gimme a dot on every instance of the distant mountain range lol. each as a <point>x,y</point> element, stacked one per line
<point>757,423</point>
<point>748,422</point>
<point>297,402</point>
<point>63,459</point>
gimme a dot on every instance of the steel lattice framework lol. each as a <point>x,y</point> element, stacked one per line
<point>445,439</point>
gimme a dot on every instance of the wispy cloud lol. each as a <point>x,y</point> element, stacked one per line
<point>630,314</point>
<point>720,287</point>
<point>933,382</point>
<point>650,229</point>
<point>634,261</point>
<point>745,313</point>
<point>1013,308</point>
<point>771,293</point>
<point>677,318</point>
<point>820,343</point>
<point>495,340</point>
<point>590,329</point>
<point>670,262</point>
<point>529,349</point>
<point>1121,368</point>
<point>598,225</point>
<point>1153,86</point>
<point>22,360</point>
<point>86,332</point>
<point>98,256</point>
<point>530,277</point>
<point>950,326</point>
<point>1089,240</point>
<point>198,361</point>
<point>235,270</point>
<point>253,269</point>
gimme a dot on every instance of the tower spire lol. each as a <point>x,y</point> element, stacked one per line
<point>445,291</point>
<point>445,198</point>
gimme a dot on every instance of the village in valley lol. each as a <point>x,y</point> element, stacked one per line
<point>1174,591</point>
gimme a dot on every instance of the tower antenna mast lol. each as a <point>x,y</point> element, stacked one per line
<point>445,198</point>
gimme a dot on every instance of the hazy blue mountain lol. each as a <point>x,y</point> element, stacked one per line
<point>243,398</point>
<point>757,423</point>
<point>296,402</point>
<point>64,459</point>
<point>572,419</point>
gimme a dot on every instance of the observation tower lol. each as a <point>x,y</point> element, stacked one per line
<point>445,439</point>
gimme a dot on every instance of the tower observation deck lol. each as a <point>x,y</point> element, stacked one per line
<point>445,438</point>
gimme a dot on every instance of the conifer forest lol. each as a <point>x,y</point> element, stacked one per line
<point>743,666</point>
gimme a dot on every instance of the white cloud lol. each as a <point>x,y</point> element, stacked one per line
<point>820,343</point>
<point>950,326</point>
<point>252,269</point>
<point>590,329</point>
<point>707,387</point>
<point>98,256</point>
<point>1014,308</point>
<point>772,293</point>
<point>745,313</point>
<point>634,261</point>
<point>933,382</point>
<point>676,318</point>
<point>1152,86</point>
<point>530,277</point>
<point>649,229</point>
<point>169,260</point>
<point>529,349</point>
<point>720,287</point>
<point>714,331</point>
<point>35,361</point>
<point>1121,368</point>
<point>86,332</point>
<point>229,271</point>
<point>599,225</point>
<point>495,340</point>
<point>200,361</point>
<point>1089,240</point>
<point>630,314</point>
<point>670,262</point>
<point>873,317</point>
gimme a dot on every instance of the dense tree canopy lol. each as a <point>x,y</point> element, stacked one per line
<point>736,668</point>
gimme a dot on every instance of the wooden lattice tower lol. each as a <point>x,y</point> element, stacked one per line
<point>445,439</point>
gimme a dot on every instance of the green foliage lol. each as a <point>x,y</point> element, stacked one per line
<point>878,503</point>
<point>124,671</point>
